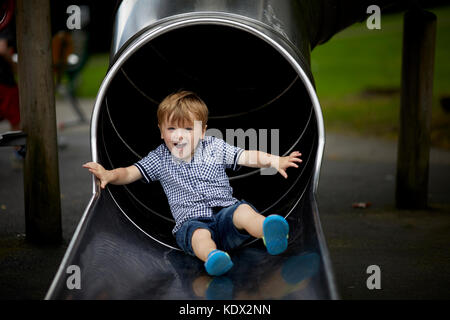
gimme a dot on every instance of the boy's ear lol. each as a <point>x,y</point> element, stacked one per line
<point>204,131</point>
<point>160,131</point>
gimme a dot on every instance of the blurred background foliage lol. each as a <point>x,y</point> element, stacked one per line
<point>358,78</point>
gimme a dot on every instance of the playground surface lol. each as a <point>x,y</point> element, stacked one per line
<point>410,247</point>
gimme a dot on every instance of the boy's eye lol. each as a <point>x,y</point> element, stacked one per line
<point>171,128</point>
<point>189,129</point>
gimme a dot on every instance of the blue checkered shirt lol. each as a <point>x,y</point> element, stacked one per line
<point>193,188</point>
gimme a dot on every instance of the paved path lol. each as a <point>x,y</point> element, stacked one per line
<point>410,247</point>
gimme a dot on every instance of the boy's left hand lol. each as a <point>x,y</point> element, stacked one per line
<point>288,161</point>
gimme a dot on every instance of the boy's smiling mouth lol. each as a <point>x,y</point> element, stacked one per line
<point>180,145</point>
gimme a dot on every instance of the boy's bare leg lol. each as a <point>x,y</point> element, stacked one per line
<point>245,218</point>
<point>202,243</point>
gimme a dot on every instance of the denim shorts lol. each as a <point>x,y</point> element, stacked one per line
<point>223,232</point>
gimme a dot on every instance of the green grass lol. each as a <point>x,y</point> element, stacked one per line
<point>358,59</point>
<point>92,75</point>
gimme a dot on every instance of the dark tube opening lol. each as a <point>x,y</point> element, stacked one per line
<point>246,83</point>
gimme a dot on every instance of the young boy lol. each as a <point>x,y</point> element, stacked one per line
<point>191,169</point>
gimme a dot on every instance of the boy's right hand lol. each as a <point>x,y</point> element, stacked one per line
<point>101,173</point>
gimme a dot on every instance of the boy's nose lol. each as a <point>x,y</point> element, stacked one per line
<point>178,135</point>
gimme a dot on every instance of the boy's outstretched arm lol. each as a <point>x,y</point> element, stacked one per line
<point>117,176</point>
<point>259,159</point>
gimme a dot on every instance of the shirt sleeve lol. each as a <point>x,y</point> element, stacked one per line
<point>150,166</point>
<point>228,154</point>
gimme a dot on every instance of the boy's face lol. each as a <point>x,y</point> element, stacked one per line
<point>182,137</point>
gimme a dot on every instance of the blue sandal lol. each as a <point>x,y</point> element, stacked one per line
<point>218,263</point>
<point>275,234</point>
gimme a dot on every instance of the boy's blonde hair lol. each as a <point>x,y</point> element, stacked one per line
<point>181,107</point>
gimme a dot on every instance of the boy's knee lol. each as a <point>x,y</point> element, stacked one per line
<point>245,206</point>
<point>201,234</point>
<point>244,209</point>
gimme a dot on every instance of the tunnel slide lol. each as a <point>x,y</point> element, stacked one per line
<point>249,61</point>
